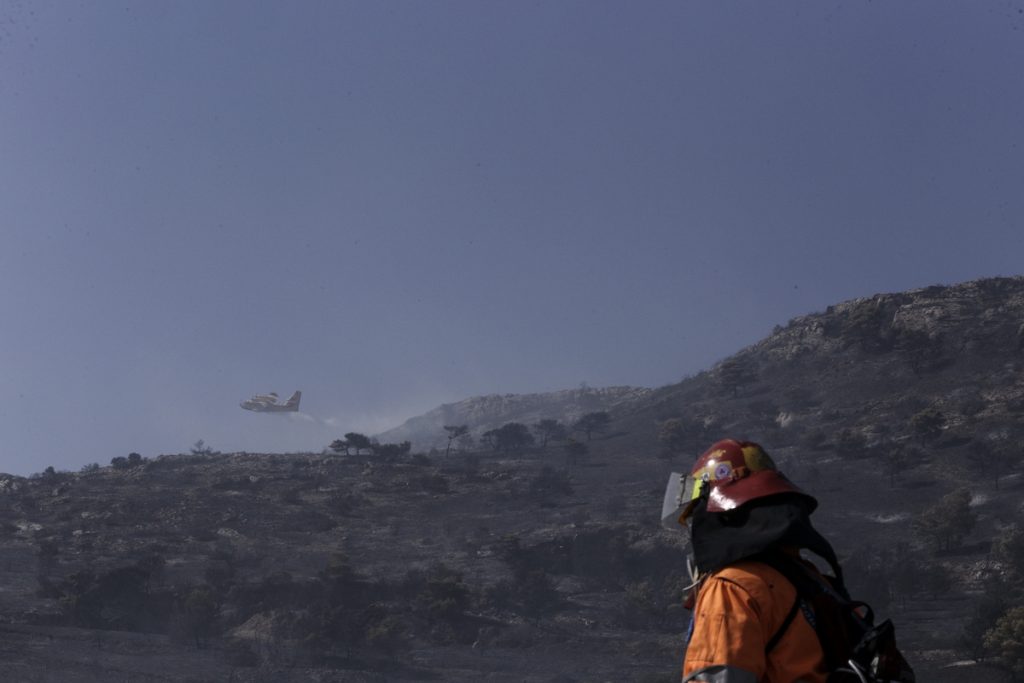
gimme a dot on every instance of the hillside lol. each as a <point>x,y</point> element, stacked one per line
<point>526,566</point>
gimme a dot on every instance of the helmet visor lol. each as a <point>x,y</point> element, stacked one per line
<point>681,494</point>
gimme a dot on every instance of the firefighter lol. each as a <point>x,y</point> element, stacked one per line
<point>749,624</point>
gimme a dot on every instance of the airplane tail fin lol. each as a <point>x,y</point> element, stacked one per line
<point>293,402</point>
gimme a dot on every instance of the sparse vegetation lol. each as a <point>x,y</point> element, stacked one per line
<point>391,451</point>
<point>947,522</point>
<point>357,441</point>
<point>200,448</point>
<point>511,437</point>
<point>593,423</point>
<point>550,429</point>
<point>454,433</point>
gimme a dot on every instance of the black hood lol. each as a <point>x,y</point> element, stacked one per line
<point>761,526</point>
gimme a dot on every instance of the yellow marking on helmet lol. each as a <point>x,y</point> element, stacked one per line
<point>757,459</point>
<point>700,479</point>
<point>713,455</point>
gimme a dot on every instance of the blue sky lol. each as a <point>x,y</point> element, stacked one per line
<point>391,205</point>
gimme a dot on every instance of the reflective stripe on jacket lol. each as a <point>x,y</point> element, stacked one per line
<point>739,609</point>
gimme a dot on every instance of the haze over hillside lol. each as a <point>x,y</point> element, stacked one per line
<point>482,413</point>
<point>822,367</point>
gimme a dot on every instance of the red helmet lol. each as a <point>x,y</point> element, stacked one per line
<point>738,472</point>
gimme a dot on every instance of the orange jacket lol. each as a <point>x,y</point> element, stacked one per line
<point>739,610</point>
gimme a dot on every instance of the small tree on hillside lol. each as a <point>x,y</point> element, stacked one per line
<point>339,446</point>
<point>358,441</point>
<point>454,432</point>
<point>593,423</point>
<point>947,522</point>
<point>550,429</point>
<point>200,448</point>
<point>511,437</point>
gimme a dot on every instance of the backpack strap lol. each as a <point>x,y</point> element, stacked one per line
<point>812,591</point>
<point>790,616</point>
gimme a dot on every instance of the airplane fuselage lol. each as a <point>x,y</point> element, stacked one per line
<point>267,403</point>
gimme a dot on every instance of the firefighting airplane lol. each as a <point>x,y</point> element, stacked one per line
<point>267,403</point>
